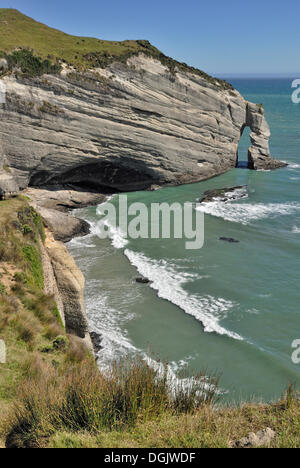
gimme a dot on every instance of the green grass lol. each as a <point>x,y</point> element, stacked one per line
<point>208,428</point>
<point>51,46</point>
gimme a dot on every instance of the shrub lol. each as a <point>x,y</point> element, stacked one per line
<point>29,64</point>
<point>20,277</point>
<point>61,342</point>
<point>26,327</point>
<point>27,229</point>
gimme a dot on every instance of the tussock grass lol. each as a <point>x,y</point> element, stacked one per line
<point>26,327</point>
<point>52,331</point>
<point>83,399</point>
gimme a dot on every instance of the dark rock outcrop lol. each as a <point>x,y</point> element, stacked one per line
<point>97,341</point>
<point>224,194</point>
<point>142,280</point>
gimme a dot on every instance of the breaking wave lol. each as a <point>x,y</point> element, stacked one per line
<point>169,285</point>
<point>245,213</point>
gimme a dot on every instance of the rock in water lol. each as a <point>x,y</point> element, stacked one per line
<point>142,280</point>
<point>225,194</point>
<point>97,341</point>
<point>230,240</point>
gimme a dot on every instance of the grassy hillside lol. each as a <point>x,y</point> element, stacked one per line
<point>29,321</point>
<point>20,31</point>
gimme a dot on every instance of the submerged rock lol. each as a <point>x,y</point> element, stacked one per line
<point>230,240</point>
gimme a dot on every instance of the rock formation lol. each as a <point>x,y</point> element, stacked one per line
<point>128,126</point>
<point>54,205</point>
<point>262,438</point>
<point>65,282</point>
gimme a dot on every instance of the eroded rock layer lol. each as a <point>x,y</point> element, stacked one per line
<point>127,127</point>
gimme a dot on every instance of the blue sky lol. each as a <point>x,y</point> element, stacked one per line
<point>220,37</point>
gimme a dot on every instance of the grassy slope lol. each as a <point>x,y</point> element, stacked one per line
<point>205,429</point>
<point>20,31</point>
<point>28,318</point>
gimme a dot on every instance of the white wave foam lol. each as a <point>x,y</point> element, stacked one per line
<point>175,383</point>
<point>117,236</point>
<point>292,165</point>
<point>85,241</point>
<point>244,213</point>
<point>109,323</point>
<point>168,283</point>
<point>237,194</point>
<point>296,230</point>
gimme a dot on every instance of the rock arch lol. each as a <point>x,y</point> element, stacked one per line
<point>259,156</point>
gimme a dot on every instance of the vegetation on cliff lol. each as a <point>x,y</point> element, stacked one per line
<point>43,48</point>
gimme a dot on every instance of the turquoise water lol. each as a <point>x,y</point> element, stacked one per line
<point>228,308</point>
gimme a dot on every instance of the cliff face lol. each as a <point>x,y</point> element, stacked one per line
<point>65,283</point>
<point>126,127</point>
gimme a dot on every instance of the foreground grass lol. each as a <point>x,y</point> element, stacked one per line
<point>207,428</point>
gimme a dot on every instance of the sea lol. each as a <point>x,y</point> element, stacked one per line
<point>230,309</point>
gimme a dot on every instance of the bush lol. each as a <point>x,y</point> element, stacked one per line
<point>20,277</point>
<point>29,64</point>
<point>61,342</point>
<point>26,327</point>
<point>27,229</point>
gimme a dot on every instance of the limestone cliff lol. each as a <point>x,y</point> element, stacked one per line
<point>128,126</point>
